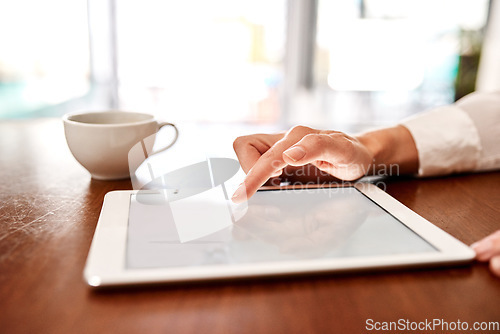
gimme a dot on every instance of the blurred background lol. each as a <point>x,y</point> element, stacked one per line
<point>323,63</point>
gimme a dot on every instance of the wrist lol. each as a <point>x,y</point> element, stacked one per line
<point>393,149</point>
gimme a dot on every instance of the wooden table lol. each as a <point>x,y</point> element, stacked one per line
<point>48,213</point>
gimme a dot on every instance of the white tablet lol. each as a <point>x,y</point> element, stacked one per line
<point>141,237</point>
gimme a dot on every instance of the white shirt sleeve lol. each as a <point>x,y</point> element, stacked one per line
<point>462,137</point>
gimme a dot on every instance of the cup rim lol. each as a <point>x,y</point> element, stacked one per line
<point>67,118</point>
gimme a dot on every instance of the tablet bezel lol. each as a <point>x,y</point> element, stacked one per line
<point>106,260</point>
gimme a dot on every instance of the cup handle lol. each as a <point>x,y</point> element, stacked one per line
<point>162,124</point>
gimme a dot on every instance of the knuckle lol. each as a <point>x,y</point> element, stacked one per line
<point>272,157</point>
<point>239,142</point>
<point>337,135</point>
<point>341,140</point>
<point>276,164</point>
<point>300,130</point>
<point>315,140</point>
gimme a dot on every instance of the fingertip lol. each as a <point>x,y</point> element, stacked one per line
<point>240,195</point>
<point>483,249</point>
<point>237,200</point>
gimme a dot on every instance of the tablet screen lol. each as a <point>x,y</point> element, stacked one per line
<point>276,225</point>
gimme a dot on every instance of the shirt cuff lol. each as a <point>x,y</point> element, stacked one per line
<point>447,141</point>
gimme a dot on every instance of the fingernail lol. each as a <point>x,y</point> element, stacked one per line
<point>482,247</point>
<point>238,194</point>
<point>295,153</point>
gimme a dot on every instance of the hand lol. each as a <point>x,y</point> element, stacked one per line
<point>488,249</point>
<point>265,156</point>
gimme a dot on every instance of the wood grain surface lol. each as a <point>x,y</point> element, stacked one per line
<point>48,212</point>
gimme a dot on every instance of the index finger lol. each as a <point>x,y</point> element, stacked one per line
<point>249,149</point>
<point>269,163</point>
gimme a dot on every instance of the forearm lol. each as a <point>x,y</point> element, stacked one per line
<point>393,150</point>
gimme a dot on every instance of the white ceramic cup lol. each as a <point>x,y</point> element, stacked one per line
<point>101,141</point>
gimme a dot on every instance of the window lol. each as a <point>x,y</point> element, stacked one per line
<point>381,60</point>
<point>324,63</point>
<point>44,55</point>
<point>219,60</point>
